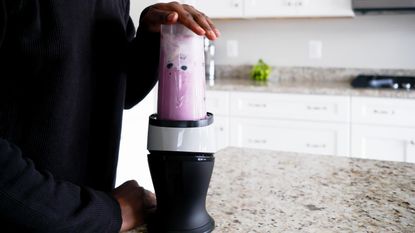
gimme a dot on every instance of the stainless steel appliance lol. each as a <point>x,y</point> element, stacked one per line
<point>210,61</point>
<point>384,81</point>
<point>366,5</point>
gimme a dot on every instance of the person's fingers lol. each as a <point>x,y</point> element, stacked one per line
<point>184,16</point>
<point>212,25</point>
<point>202,20</point>
<point>156,16</point>
<point>133,183</point>
<point>130,196</point>
<point>150,200</point>
<point>173,12</point>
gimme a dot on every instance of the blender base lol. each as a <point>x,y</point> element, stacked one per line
<point>155,226</point>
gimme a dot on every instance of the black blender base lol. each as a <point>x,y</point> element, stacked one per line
<point>158,227</point>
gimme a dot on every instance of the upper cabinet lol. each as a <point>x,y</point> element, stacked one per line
<point>222,9</point>
<point>274,8</point>
<point>298,8</point>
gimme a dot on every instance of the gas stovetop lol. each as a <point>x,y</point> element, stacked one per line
<point>384,81</point>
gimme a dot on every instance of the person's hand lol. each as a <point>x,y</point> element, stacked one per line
<point>135,202</point>
<point>174,12</point>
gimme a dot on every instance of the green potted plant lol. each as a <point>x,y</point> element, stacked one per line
<point>260,71</point>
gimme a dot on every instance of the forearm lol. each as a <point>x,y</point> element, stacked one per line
<point>142,64</point>
<point>3,21</point>
<point>34,201</point>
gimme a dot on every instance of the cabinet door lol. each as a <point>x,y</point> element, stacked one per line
<point>221,8</point>
<point>222,132</point>
<point>217,102</point>
<point>383,111</point>
<point>290,106</point>
<point>293,136</point>
<point>383,143</point>
<point>270,8</point>
<point>298,8</point>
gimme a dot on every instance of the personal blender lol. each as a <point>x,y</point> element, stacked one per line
<point>181,136</point>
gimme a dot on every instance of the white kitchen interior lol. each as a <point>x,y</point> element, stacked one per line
<point>304,36</point>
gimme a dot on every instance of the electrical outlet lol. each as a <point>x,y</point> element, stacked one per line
<point>315,49</point>
<point>232,47</point>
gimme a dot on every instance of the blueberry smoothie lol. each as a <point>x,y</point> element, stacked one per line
<point>181,91</point>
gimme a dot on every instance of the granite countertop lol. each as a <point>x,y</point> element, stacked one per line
<point>318,87</point>
<point>306,80</point>
<point>268,191</point>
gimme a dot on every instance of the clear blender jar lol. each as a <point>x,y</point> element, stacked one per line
<point>181,93</point>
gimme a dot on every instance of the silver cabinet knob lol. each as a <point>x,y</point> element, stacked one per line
<point>316,146</point>
<point>317,108</point>
<point>236,3</point>
<point>257,105</point>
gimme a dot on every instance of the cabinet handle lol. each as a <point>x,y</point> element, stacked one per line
<point>299,3</point>
<point>317,108</point>
<point>258,141</point>
<point>412,142</point>
<point>316,146</point>
<point>256,105</point>
<point>236,3</point>
<point>383,112</point>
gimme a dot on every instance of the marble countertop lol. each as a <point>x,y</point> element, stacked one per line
<point>306,87</point>
<point>268,191</point>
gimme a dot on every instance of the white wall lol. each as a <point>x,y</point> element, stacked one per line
<point>132,163</point>
<point>371,41</point>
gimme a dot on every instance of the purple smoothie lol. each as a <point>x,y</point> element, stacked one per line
<point>181,91</point>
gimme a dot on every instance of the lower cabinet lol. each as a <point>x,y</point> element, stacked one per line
<point>293,136</point>
<point>221,124</point>
<point>362,127</point>
<point>383,143</point>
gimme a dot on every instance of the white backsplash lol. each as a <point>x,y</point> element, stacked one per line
<point>366,41</point>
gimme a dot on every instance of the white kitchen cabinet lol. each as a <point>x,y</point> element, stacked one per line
<point>363,127</point>
<point>383,128</point>
<point>291,106</point>
<point>293,136</point>
<point>275,8</point>
<point>221,132</point>
<point>288,122</point>
<point>298,8</point>
<point>383,142</point>
<point>221,8</point>
<point>383,111</point>
<point>216,8</point>
<point>269,8</point>
<point>217,102</point>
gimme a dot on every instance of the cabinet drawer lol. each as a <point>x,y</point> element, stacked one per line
<point>295,136</point>
<point>385,111</point>
<point>289,106</point>
<point>217,102</point>
<point>383,143</point>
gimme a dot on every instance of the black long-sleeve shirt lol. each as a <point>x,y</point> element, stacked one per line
<point>67,71</point>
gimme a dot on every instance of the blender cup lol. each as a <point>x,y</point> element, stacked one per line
<point>181,93</point>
